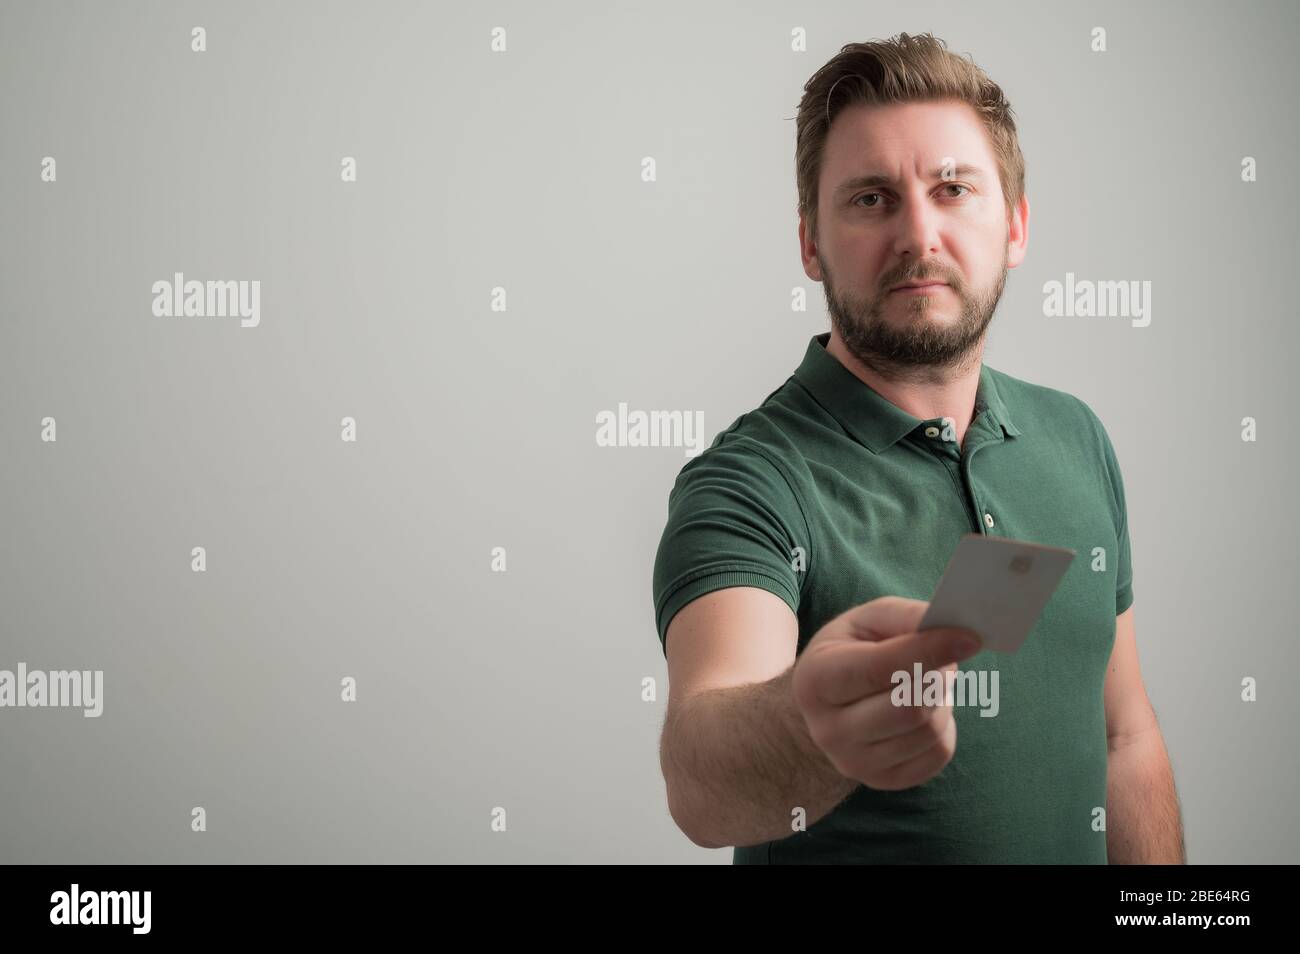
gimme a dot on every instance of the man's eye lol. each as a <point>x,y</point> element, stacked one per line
<point>877,195</point>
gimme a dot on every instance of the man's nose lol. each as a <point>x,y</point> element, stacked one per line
<point>918,229</point>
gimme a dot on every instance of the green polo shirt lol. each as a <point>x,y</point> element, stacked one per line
<point>829,496</point>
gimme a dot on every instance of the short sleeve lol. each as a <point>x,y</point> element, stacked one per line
<point>733,520</point>
<point>1123,558</point>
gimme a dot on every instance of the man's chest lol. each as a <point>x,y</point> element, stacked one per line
<point>889,526</point>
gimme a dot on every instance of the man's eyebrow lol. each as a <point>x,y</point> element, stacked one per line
<point>961,170</point>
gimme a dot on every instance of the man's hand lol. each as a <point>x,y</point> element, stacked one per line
<point>842,683</point>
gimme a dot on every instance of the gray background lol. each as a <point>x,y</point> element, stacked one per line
<point>476,428</point>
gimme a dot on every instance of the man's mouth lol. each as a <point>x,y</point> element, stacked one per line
<point>919,288</point>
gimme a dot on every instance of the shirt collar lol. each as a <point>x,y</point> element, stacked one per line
<point>873,420</point>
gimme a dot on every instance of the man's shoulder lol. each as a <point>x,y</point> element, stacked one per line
<point>1044,406</point>
<point>769,432</point>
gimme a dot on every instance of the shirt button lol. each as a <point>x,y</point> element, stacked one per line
<point>988,520</point>
<point>932,431</point>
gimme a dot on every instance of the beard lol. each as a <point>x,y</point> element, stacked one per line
<point>913,344</point>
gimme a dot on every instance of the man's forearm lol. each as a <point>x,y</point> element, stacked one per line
<point>739,761</point>
<point>1143,821</point>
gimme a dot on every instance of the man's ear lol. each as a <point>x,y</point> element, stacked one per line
<point>1018,233</point>
<point>808,252</point>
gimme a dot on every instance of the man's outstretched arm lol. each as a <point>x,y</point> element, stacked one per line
<point>736,754</point>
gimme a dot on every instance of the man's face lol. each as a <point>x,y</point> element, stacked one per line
<point>888,215</point>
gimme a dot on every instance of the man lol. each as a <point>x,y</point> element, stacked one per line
<point>801,545</point>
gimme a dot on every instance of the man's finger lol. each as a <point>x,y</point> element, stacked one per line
<point>932,648</point>
<point>853,670</point>
<point>882,618</point>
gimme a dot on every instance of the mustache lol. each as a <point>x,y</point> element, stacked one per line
<point>929,275</point>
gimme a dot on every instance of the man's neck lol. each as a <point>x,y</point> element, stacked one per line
<point>925,392</point>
